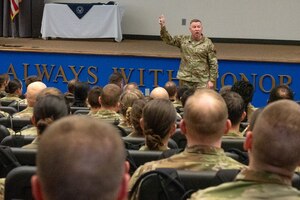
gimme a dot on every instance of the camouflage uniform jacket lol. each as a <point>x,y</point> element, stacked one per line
<point>108,115</point>
<point>195,158</point>
<point>251,184</point>
<point>26,113</point>
<point>11,97</point>
<point>198,58</point>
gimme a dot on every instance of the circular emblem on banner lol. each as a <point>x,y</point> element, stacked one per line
<point>79,9</point>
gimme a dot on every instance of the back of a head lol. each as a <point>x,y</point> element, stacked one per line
<point>13,86</point>
<point>81,91</point>
<point>31,79</point>
<point>131,86</point>
<point>276,135</point>
<point>187,93</point>
<point>93,96</point>
<point>136,115</point>
<point>80,158</point>
<point>48,109</point>
<point>33,90</point>
<point>117,79</point>
<point>205,114</point>
<point>127,98</point>
<point>159,93</point>
<point>235,106</point>
<point>110,95</point>
<point>281,92</point>
<point>245,89</point>
<point>159,115</point>
<point>171,88</point>
<point>71,85</point>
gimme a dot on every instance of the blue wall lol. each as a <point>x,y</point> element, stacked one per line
<point>57,69</point>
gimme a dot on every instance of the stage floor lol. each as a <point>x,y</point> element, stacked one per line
<point>151,48</point>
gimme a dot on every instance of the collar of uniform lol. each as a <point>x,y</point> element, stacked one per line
<point>195,41</point>
<point>262,177</point>
<point>204,149</point>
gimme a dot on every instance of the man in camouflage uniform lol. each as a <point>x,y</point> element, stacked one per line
<point>274,153</point>
<point>110,105</point>
<point>236,113</point>
<point>33,90</point>
<point>204,123</point>
<point>199,65</point>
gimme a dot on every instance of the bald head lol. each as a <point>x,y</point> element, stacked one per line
<point>85,148</point>
<point>276,135</point>
<point>33,90</point>
<point>159,93</point>
<point>205,115</point>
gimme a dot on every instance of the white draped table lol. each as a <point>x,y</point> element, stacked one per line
<point>101,21</point>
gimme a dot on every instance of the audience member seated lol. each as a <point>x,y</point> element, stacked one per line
<point>274,153</point>
<point>135,117</point>
<point>110,105</point>
<point>33,90</point>
<point>127,99</point>
<point>46,110</point>
<point>171,88</point>
<point>69,95</point>
<point>225,89</point>
<point>159,93</point>
<point>4,79</point>
<point>236,113</point>
<point>29,80</point>
<point>13,90</point>
<point>117,79</point>
<point>131,86</point>
<point>158,123</point>
<point>32,130</point>
<point>204,123</point>
<point>280,92</point>
<point>93,99</point>
<point>246,90</point>
<point>80,94</point>
<point>89,150</point>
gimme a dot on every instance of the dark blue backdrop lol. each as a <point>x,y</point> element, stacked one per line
<point>148,72</point>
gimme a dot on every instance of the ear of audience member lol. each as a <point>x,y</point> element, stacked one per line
<point>281,92</point>
<point>158,123</point>
<point>159,93</point>
<point>85,148</point>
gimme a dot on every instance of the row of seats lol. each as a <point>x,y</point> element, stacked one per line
<point>18,186</point>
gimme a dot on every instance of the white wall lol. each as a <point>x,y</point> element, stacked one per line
<point>249,19</point>
<point>246,19</point>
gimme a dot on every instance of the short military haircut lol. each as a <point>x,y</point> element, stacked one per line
<point>281,92</point>
<point>195,20</point>
<point>245,89</point>
<point>235,106</point>
<point>80,158</point>
<point>171,88</point>
<point>205,114</point>
<point>110,95</point>
<point>93,96</point>
<point>276,135</point>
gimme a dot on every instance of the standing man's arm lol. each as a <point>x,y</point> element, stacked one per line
<point>213,66</point>
<point>165,36</point>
